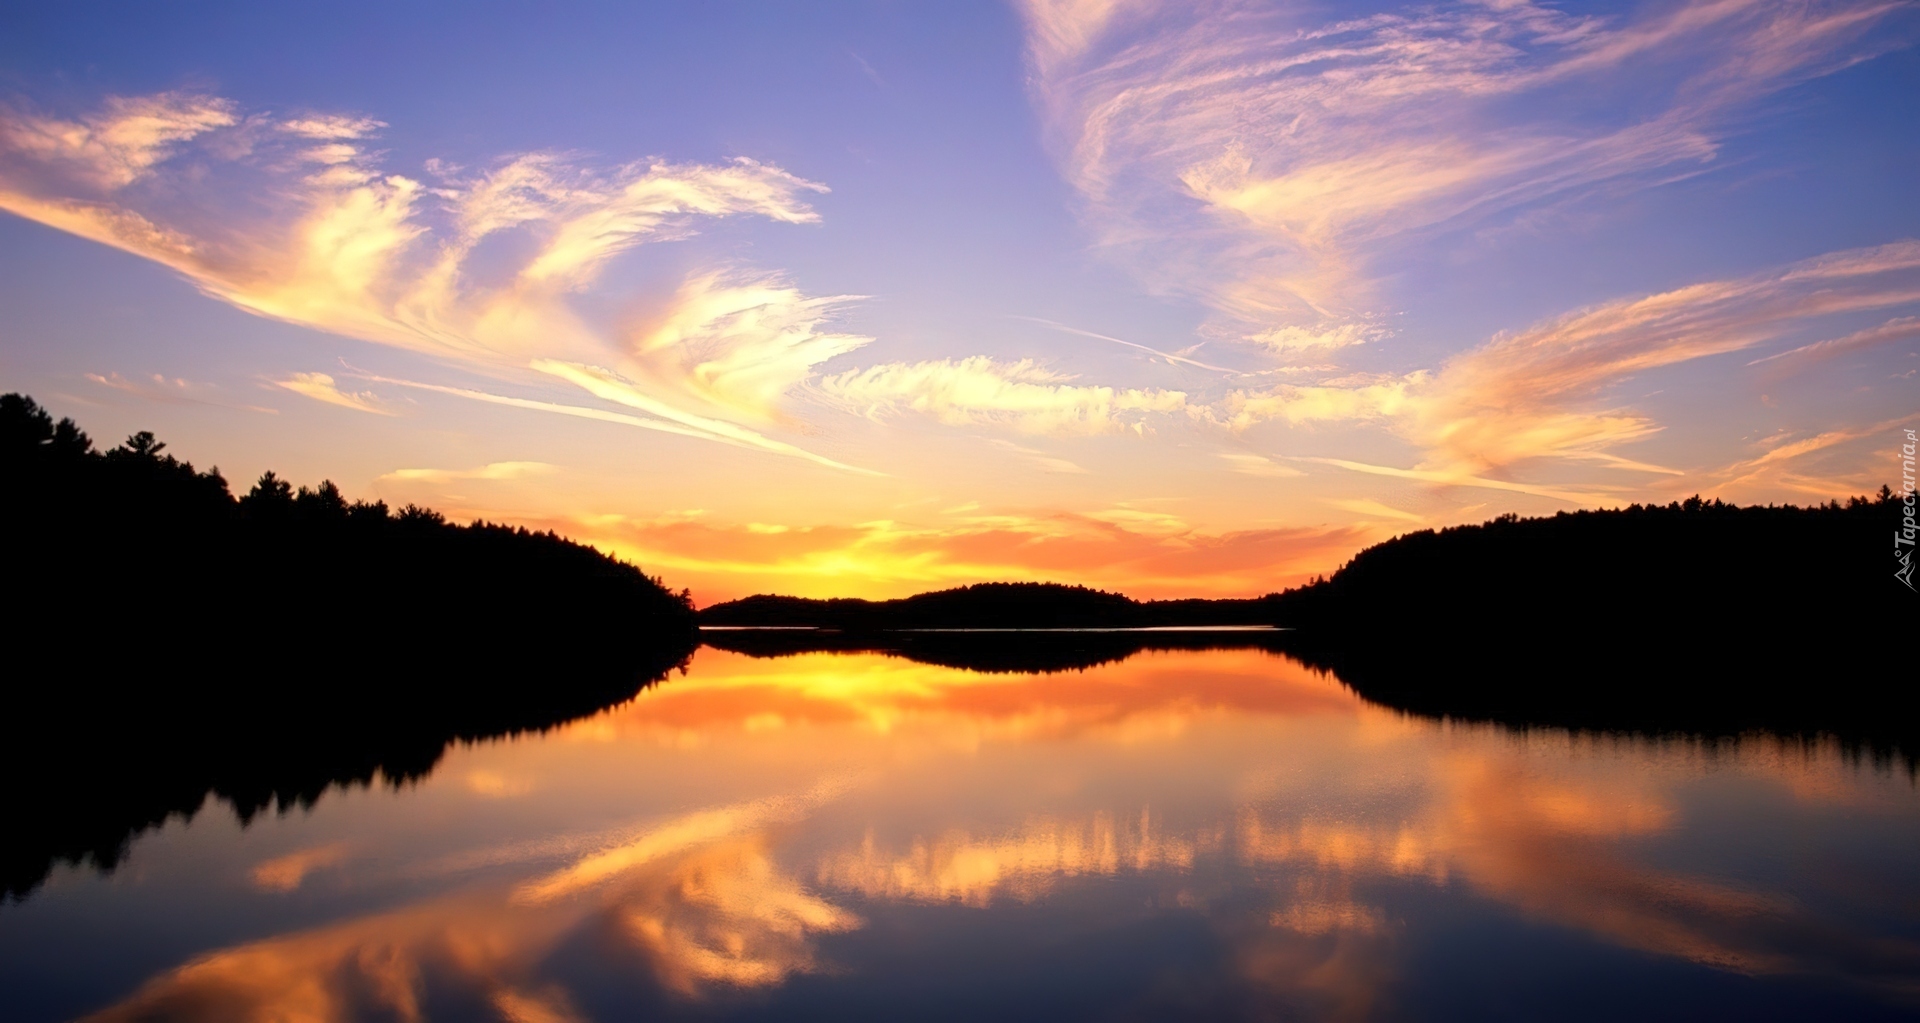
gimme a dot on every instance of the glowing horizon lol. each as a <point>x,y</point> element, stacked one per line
<point>1164,299</point>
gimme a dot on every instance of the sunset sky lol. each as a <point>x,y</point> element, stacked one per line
<point>868,299</point>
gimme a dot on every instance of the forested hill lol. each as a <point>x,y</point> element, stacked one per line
<point>165,639</point>
<point>985,606</point>
<point>1796,577</point>
<point>1697,615</point>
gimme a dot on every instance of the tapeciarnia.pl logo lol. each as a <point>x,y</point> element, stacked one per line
<point>1903,537</point>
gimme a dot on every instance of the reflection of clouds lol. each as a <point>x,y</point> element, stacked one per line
<point>690,831</point>
<point>1554,851</point>
<point>496,785</point>
<point>286,873</point>
<point>373,966</point>
<point>1399,851</point>
<point>1024,865</point>
<point>521,1007</point>
<point>1311,835</point>
<point>1563,849</point>
<point>699,900</point>
<point>730,916</point>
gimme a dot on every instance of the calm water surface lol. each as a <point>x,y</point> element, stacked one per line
<point>1218,834</point>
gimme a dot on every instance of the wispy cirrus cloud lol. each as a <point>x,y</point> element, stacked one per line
<point>1249,464</point>
<point>169,390</point>
<point>322,387</point>
<point>115,146</point>
<point>1266,162</point>
<point>295,219</point>
<point>741,343</point>
<point>1023,395</point>
<point>1782,464</point>
<point>1040,459</point>
<point>1900,328</point>
<point>1545,392</point>
<point>490,471</point>
<point>1541,392</point>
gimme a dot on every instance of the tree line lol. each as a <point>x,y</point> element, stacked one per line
<point>1692,616</point>
<point>167,639</point>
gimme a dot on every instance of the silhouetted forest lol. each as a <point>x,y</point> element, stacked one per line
<point>1697,616</point>
<point>165,640</point>
<point>989,606</point>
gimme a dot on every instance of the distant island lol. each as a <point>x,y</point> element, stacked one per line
<point>992,627</point>
<point>1695,616</point>
<point>167,640</point>
<point>990,606</point>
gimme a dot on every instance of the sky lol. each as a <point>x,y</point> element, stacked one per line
<point>866,299</point>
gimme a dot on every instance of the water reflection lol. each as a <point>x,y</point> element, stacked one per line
<point>1219,834</point>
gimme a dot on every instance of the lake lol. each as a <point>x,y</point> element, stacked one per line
<point>1208,834</point>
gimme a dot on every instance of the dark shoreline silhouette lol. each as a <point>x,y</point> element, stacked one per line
<point>167,643</point>
<point>990,606</point>
<point>1695,617</point>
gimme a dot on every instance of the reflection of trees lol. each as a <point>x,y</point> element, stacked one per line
<point>1697,616</point>
<point>167,640</point>
<point>993,652</point>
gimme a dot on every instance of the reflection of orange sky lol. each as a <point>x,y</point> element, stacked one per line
<point>1234,784</point>
<point>1149,694</point>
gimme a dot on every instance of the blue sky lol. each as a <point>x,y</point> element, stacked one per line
<point>871,298</point>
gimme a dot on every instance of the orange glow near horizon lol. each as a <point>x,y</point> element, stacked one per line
<point>885,560</point>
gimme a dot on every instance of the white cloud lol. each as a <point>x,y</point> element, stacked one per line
<point>1040,459</point>
<point>610,386</point>
<point>490,471</point>
<point>170,390</point>
<point>321,387</point>
<point>1900,328</point>
<point>981,391</point>
<point>1258,465</point>
<point>116,145</point>
<point>741,343</point>
<point>1370,509</point>
<point>1291,339</point>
